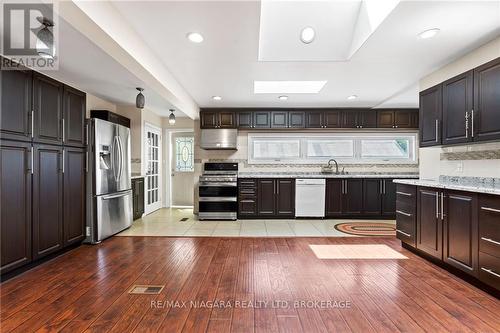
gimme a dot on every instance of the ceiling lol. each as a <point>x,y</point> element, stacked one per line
<point>383,69</point>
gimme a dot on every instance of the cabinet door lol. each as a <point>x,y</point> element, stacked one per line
<point>429,224</point>
<point>140,197</point>
<point>486,117</point>
<point>262,119</point>
<point>352,201</point>
<point>414,119</point>
<point>15,108</point>
<point>314,119</point>
<point>266,190</point>
<point>403,118</point>
<point>334,192</point>
<point>74,117</point>
<point>48,109</point>
<point>457,107</point>
<point>385,118</point>
<point>296,119</point>
<point>388,197</point>
<point>245,120</point>
<point>227,119</point>
<point>372,196</point>
<point>208,119</point>
<point>247,197</point>
<point>333,119</point>
<point>349,119</point>
<point>15,187</point>
<point>460,231</point>
<point>367,119</point>
<point>285,197</point>
<point>279,119</point>
<point>74,195</point>
<point>430,117</point>
<point>47,200</point>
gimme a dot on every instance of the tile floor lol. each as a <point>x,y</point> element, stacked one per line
<point>167,222</point>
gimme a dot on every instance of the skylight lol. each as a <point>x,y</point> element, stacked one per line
<point>288,87</point>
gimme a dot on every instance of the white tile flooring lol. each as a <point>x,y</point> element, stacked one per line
<point>166,222</point>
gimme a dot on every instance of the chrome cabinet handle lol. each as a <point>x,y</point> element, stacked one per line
<point>466,124</point>
<point>404,193</point>
<point>472,120</point>
<point>491,209</point>
<point>404,233</point>
<point>437,131</point>
<point>32,124</point>
<point>63,130</point>
<point>32,159</point>
<point>490,271</point>
<point>383,182</point>
<point>442,206</point>
<point>380,187</point>
<point>403,213</point>
<point>86,161</point>
<point>490,240</point>
<point>437,205</point>
<point>63,160</point>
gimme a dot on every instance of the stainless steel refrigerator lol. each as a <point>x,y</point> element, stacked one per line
<point>109,190</point>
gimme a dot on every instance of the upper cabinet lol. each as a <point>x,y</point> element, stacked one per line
<point>47,110</point>
<point>465,108</point>
<point>74,117</point>
<point>218,119</point>
<point>405,118</point>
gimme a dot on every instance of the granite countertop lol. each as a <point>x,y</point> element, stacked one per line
<point>480,185</point>
<point>324,175</point>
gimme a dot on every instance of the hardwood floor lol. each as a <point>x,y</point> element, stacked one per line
<point>87,290</point>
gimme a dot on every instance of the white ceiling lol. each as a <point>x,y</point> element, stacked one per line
<point>384,70</point>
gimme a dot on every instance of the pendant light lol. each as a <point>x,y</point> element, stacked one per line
<point>171,118</point>
<point>139,100</point>
<point>45,39</point>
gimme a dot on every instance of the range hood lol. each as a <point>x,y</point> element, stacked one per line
<point>219,139</point>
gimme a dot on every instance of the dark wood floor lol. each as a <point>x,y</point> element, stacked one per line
<point>87,290</point>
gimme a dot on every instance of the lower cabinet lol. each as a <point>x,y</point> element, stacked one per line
<point>429,222</point>
<point>273,198</point>
<point>406,208</point>
<point>138,197</point>
<point>489,239</point>
<point>75,168</point>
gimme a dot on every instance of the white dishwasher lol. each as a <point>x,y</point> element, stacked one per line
<point>310,197</point>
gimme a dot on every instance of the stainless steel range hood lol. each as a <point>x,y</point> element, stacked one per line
<point>219,139</point>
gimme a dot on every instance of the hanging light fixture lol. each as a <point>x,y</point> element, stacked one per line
<point>139,100</point>
<point>45,39</point>
<point>171,118</point>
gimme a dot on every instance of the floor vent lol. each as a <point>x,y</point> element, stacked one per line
<point>146,289</point>
<point>184,219</point>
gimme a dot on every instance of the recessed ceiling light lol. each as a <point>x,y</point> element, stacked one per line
<point>195,37</point>
<point>307,35</point>
<point>283,97</point>
<point>216,98</point>
<point>352,97</point>
<point>288,87</point>
<point>428,33</point>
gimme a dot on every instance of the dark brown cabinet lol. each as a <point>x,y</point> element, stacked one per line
<point>266,198</point>
<point>359,119</point>
<point>262,119</point>
<point>47,110</point>
<point>138,197</point>
<point>266,192</point>
<point>15,186</point>
<point>74,117</point>
<point>352,201</point>
<point>489,239</point>
<point>430,116</point>
<point>314,119</point>
<point>285,197</point>
<point>245,119</point>
<point>332,119</point>
<point>406,118</point>
<point>15,108</point>
<point>486,115</point>
<point>279,119</point>
<point>349,120</point>
<point>460,230</point>
<point>372,196</point>
<point>247,198</point>
<point>457,109</point>
<point>218,119</point>
<point>47,200</point>
<point>334,194</point>
<point>388,198</point>
<point>429,222</point>
<point>406,208</point>
<point>75,167</point>
<point>296,119</point>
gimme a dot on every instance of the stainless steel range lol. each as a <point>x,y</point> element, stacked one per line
<point>218,191</point>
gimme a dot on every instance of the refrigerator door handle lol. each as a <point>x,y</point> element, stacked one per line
<point>114,158</point>
<point>120,148</point>
<point>118,195</point>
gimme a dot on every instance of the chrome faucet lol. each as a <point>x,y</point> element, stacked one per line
<point>336,165</point>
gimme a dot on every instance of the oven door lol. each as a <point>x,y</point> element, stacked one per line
<point>218,208</point>
<point>218,190</point>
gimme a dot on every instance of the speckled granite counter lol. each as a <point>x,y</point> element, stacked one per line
<point>323,175</point>
<point>469,184</point>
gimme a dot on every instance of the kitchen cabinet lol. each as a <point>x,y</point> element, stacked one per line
<point>138,197</point>
<point>245,119</point>
<point>296,119</point>
<point>489,239</point>
<point>262,119</point>
<point>47,110</point>
<point>74,117</point>
<point>359,119</point>
<point>352,200</point>
<point>332,119</point>
<point>406,208</point>
<point>397,118</point>
<point>266,191</point>
<point>460,230</point>
<point>372,196</point>
<point>279,119</point>
<point>266,198</point>
<point>247,198</point>
<point>334,194</point>
<point>485,118</point>
<point>430,116</point>
<point>314,119</point>
<point>429,222</point>
<point>75,168</point>
<point>48,168</point>
<point>111,117</point>
<point>285,197</point>
<point>457,109</point>
<point>218,119</point>
<point>349,120</point>
<point>15,110</point>
<point>388,200</point>
<point>15,187</point>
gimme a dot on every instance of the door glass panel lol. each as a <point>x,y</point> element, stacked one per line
<point>184,154</point>
<point>152,169</point>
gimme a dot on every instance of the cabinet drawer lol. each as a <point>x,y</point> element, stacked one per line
<point>406,194</point>
<point>489,270</point>
<point>405,226</point>
<point>489,225</point>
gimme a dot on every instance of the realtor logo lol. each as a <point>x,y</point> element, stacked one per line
<point>29,36</point>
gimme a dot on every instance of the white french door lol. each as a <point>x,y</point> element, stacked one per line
<point>153,186</point>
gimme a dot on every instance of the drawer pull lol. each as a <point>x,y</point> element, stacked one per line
<point>403,213</point>
<point>404,193</point>
<point>404,233</point>
<point>490,271</point>
<point>491,209</point>
<point>490,240</point>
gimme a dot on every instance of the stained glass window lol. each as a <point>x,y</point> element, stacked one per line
<point>184,157</point>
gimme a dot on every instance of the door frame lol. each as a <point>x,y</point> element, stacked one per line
<point>153,128</point>
<point>168,170</point>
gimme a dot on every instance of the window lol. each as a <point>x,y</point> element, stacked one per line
<point>317,148</point>
<point>184,158</point>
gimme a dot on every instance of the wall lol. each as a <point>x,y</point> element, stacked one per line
<point>96,103</point>
<point>480,160</point>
